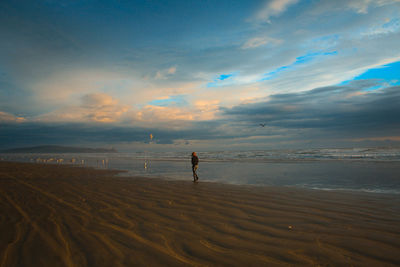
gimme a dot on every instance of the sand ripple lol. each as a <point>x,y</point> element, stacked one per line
<point>64,216</point>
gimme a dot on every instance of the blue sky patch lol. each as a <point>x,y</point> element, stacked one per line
<point>299,60</point>
<point>389,73</point>
<point>221,79</point>
<point>393,24</point>
<point>224,76</point>
<point>177,100</point>
<point>310,56</point>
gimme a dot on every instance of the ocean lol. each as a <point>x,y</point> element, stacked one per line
<point>374,170</point>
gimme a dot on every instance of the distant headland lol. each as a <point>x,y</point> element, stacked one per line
<point>59,149</point>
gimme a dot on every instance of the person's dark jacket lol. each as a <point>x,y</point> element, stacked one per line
<point>195,160</point>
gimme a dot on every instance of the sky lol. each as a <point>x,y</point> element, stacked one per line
<point>200,75</point>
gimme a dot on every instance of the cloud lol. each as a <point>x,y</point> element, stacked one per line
<point>7,117</point>
<point>98,100</point>
<point>361,6</point>
<point>103,108</point>
<point>39,133</point>
<point>260,41</point>
<point>173,116</point>
<point>135,77</point>
<point>163,74</point>
<point>97,107</point>
<point>54,72</point>
<point>135,137</point>
<point>171,70</point>
<point>274,8</point>
<point>327,111</point>
<point>65,86</point>
<point>161,114</point>
<point>165,101</point>
<point>323,116</point>
<point>207,110</point>
<point>382,138</point>
<point>389,27</point>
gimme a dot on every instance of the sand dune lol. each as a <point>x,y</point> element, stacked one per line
<point>66,216</point>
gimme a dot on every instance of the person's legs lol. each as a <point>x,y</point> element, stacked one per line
<point>195,177</point>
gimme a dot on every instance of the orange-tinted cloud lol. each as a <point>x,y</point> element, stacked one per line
<point>97,107</point>
<point>7,117</point>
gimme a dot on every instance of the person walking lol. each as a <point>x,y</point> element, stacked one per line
<point>195,166</point>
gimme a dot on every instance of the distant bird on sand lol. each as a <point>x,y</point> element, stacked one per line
<point>262,124</point>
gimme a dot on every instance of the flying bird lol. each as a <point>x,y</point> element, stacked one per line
<point>262,124</point>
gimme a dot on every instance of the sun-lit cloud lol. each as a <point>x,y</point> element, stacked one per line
<point>207,110</point>
<point>164,114</point>
<point>355,94</point>
<point>62,86</point>
<point>98,100</point>
<point>321,116</point>
<point>7,117</point>
<point>273,8</point>
<point>97,107</point>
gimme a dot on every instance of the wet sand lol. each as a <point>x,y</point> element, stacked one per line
<point>55,215</point>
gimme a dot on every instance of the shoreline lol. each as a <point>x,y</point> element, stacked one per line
<point>58,215</point>
<point>375,177</point>
<point>211,160</point>
<point>366,192</point>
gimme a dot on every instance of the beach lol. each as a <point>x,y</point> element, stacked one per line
<point>58,215</point>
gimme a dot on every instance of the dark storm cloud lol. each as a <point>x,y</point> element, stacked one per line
<point>345,109</point>
<point>27,134</point>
